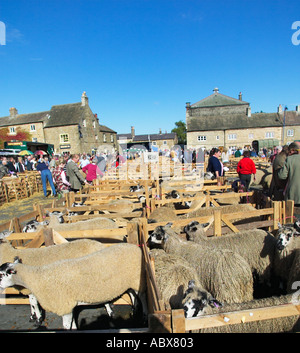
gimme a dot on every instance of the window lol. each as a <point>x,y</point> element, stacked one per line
<point>232,137</point>
<point>12,130</point>
<point>104,138</point>
<point>251,136</point>
<point>269,135</point>
<point>290,132</point>
<point>154,143</point>
<point>84,123</point>
<point>165,142</point>
<point>32,127</point>
<point>64,138</point>
<point>217,137</point>
<point>202,138</point>
<point>111,138</point>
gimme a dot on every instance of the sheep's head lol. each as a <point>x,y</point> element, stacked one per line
<point>7,270</point>
<point>196,301</point>
<point>193,229</point>
<point>159,236</point>
<point>173,195</point>
<point>5,234</point>
<point>286,233</point>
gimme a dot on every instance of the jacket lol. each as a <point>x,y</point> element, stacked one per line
<point>75,177</point>
<point>291,171</point>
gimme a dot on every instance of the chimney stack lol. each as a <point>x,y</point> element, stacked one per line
<point>84,99</point>
<point>279,109</point>
<point>13,112</point>
<point>240,96</point>
<point>132,132</point>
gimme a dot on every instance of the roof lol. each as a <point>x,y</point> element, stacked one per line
<point>65,114</point>
<point>103,128</point>
<point>237,121</point>
<point>216,100</point>
<point>147,137</point>
<point>24,119</point>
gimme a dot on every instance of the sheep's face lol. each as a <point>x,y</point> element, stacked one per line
<point>158,236</point>
<point>6,275</point>
<point>173,195</point>
<point>193,227</point>
<point>196,301</point>
<point>285,235</point>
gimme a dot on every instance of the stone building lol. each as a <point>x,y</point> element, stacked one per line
<point>70,128</point>
<point>159,142</point>
<point>219,120</point>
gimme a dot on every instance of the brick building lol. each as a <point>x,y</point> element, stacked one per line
<point>70,128</point>
<point>219,120</point>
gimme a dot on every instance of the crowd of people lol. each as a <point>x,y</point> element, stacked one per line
<point>70,172</point>
<point>64,173</point>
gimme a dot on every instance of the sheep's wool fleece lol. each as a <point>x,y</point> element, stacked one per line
<point>96,278</point>
<point>49,254</point>
<point>223,273</point>
<point>172,276</point>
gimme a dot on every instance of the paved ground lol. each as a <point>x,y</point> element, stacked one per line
<point>16,317</point>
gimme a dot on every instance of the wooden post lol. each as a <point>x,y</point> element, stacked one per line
<point>289,211</point>
<point>276,214</point>
<point>132,232</point>
<point>48,236</point>
<point>217,222</point>
<point>178,321</point>
<point>160,322</point>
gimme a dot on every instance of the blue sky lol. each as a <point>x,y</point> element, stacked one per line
<point>140,61</point>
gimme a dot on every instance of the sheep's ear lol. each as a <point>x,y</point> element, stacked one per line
<point>169,225</point>
<point>17,260</point>
<point>204,225</point>
<point>214,302</point>
<point>279,225</point>
<point>191,284</point>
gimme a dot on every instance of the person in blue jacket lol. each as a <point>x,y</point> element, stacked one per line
<point>214,164</point>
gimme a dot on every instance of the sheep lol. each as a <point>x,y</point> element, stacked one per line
<point>198,302</point>
<point>223,273</point>
<point>294,273</point>
<point>162,214</point>
<point>256,246</point>
<point>208,211</point>
<point>193,302</point>
<point>172,274</point>
<point>288,241</point>
<point>33,226</point>
<point>92,279</point>
<point>93,223</point>
<point>174,194</point>
<point>47,255</point>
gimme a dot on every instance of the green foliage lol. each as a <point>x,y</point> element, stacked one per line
<point>180,130</point>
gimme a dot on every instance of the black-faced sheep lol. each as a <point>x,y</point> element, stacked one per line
<point>33,226</point>
<point>47,255</point>
<point>223,273</point>
<point>256,246</point>
<point>173,274</point>
<point>95,278</point>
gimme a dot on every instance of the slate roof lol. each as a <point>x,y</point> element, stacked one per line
<point>217,99</point>
<point>24,119</point>
<point>145,138</point>
<point>65,114</point>
<point>103,128</point>
<point>256,120</point>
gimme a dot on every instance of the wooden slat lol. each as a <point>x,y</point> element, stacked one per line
<point>242,316</point>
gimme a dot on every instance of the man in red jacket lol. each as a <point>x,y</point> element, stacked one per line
<point>245,168</point>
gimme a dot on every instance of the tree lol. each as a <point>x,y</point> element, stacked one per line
<point>20,135</point>
<point>180,130</point>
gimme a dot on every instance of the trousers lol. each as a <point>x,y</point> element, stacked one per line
<point>46,174</point>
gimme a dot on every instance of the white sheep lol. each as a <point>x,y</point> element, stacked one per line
<point>172,274</point>
<point>256,246</point>
<point>194,302</point>
<point>223,273</point>
<point>288,242</point>
<point>93,279</point>
<point>47,255</point>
